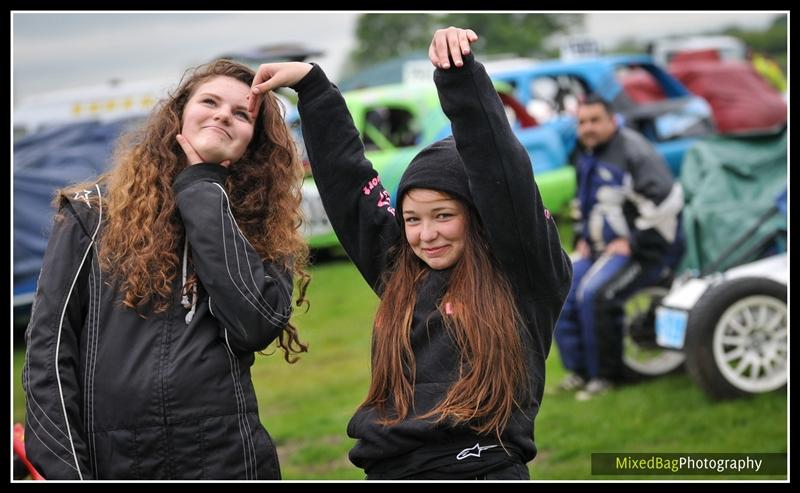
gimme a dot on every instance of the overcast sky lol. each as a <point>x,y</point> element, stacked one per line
<point>64,50</point>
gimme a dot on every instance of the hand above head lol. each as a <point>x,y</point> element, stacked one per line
<point>271,76</point>
<point>450,43</point>
<point>192,155</point>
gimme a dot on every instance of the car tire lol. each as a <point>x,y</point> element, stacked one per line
<point>736,338</point>
<point>641,358</point>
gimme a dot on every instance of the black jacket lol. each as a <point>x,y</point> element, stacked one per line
<point>522,235</point>
<point>112,394</point>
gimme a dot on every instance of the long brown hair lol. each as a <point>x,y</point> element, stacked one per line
<point>264,188</point>
<point>483,324</point>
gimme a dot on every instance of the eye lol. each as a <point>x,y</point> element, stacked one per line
<point>209,101</point>
<point>411,220</point>
<point>243,115</point>
<point>444,215</point>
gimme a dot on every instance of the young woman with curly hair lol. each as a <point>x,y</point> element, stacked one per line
<point>161,280</point>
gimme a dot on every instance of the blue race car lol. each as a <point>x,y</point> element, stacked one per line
<point>645,97</point>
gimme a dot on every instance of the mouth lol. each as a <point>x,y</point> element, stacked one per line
<point>219,130</point>
<point>435,252</point>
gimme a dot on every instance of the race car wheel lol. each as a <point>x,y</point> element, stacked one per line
<point>641,357</point>
<point>736,338</point>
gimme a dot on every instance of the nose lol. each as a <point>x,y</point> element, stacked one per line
<point>428,231</point>
<point>223,114</point>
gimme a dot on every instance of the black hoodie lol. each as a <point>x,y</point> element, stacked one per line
<point>521,234</point>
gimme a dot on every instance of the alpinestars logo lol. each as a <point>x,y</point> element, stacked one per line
<point>473,451</point>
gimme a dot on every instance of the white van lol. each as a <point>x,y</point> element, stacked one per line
<point>112,101</point>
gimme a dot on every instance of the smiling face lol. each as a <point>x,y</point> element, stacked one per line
<point>435,226</point>
<point>595,125</point>
<point>216,122</point>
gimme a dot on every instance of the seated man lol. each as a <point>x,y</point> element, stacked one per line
<point>629,234</point>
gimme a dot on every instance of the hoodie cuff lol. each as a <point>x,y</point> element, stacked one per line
<point>200,172</point>
<point>313,84</point>
<point>469,64</point>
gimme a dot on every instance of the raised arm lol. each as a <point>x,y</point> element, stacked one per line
<point>356,203</point>
<point>521,231</point>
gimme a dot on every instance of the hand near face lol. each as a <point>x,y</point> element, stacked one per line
<point>192,155</point>
<point>271,76</point>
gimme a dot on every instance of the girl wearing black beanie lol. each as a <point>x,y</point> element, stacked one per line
<point>469,269</point>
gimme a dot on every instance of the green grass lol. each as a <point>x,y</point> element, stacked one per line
<point>306,406</point>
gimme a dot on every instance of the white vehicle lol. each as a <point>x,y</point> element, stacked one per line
<point>729,328</point>
<point>109,102</point>
<point>118,100</point>
<point>732,327</point>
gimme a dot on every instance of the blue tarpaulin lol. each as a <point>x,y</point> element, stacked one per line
<point>44,162</point>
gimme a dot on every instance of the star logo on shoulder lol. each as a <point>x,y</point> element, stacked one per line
<point>83,195</point>
<point>473,451</point>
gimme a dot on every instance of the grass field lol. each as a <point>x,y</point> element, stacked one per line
<point>306,406</point>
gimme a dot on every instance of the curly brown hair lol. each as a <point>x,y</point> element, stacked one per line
<point>264,188</point>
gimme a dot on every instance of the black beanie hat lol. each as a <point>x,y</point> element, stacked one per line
<point>438,167</point>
